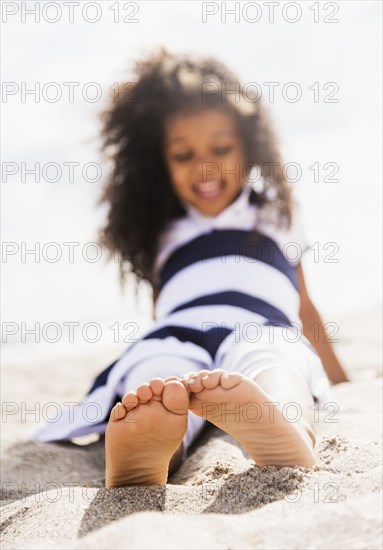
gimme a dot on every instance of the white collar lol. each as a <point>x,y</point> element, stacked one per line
<point>238,207</point>
<point>240,214</point>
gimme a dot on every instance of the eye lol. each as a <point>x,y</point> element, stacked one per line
<point>182,157</point>
<point>222,150</point>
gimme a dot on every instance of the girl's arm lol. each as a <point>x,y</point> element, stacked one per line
<point>317,334</point>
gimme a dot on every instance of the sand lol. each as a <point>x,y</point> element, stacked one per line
<point>53,494</point>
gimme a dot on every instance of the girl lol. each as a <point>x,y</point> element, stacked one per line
<point>200,209</point>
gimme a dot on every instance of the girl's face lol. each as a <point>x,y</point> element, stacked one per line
<point>204,155</point>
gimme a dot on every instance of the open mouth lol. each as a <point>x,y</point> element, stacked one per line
<point>210,189</point>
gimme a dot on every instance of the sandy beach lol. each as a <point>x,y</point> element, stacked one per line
<point>53,494</point>
<point>316,67</point>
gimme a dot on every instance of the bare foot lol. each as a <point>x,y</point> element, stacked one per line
<point>143,433</point>
<point>238,406</point>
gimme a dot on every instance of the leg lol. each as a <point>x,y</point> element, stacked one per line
<point>291,392</point>
<point>241,408</point>
<point>281,370</point>
<point>144,435</point>
<point>167,367</point>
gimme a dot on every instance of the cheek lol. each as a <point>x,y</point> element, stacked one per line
<point>234,165</point>
<point>179,176</point>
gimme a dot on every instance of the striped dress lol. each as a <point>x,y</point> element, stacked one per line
<point>214,275</point>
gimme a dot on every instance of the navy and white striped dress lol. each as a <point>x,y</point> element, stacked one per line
<point>213,275</point>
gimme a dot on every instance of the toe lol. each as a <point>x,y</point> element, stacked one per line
<point>185,384</point>
<point>144,393</point>
<point>175,398</point>
<point>212,380</point>
<point>118,412</point>
<point>130,400</point>
<point>195,374</point>
<point>157,386</point>
<point>194,381</point>
<point>231,380</point>
<point>195,384</point>
<point>170,378</point>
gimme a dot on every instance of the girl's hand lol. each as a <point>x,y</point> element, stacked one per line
<point>338,376</point>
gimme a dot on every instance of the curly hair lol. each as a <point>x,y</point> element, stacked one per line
<point>138,192</point>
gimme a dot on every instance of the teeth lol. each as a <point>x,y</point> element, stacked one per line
<point>208,186</point>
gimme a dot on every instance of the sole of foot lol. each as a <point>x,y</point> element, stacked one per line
<point>143,433</point>
<point>238,406</point>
